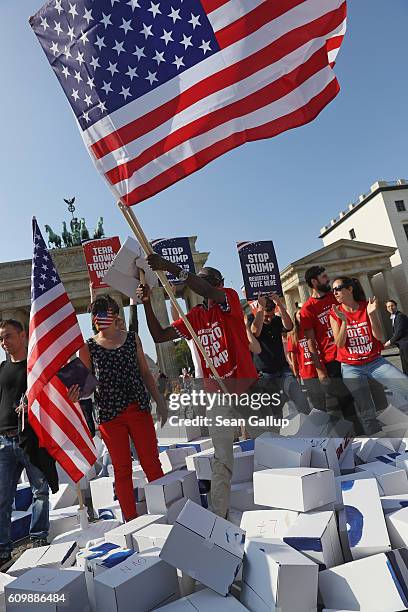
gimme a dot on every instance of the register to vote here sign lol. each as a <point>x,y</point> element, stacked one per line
<point>178,251</point>
<point>99,255</point>
<point>259,268</point>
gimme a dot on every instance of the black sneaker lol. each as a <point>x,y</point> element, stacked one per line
<point>37,542</point>
<point>5,562</point>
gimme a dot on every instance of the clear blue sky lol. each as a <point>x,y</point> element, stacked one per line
<point>283,189</point>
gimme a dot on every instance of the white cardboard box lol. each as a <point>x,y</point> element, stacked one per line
<point>152,536</point>
<point>95,531</point>
<point>370,448</point>
<point>4,579</point>
<point>142,582</point>
<point>100,562</point>
<point>67,587</point>
<point>276,577</point>
<point>161,493</point>
<point>391,480</point>
<point>242,497</point>
<point>199,444</point>
<point>97,550</point>
<point>243,467</point>
<point>397,525</point>
<point>206,547</point>
<point>366,530</point>
<point>205,600</point>
<point>175,458</point>
<point>338,504</point>
<point>65,497</point>
<point>392,503</point>
<point>300,489</point>
<point>373,584</point>
<point>272,524</point>
<point>62,520</point>
<point>315,535</point>
<point>324,454</point>
<point>178,433</point>
<point>122,535</point>
<point>202,462</point>
<point>54,555</point>
<point>282,452</point>
<point>103,493</point>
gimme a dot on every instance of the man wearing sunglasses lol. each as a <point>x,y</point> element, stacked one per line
<point>219,324</point>
<point>316,323</point>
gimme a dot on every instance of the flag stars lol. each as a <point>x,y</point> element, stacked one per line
<point>167,36</point>
<point>159,58</point>
<point>54,279</point>
<point>90,83</point>
<point>72,10</point>
<point>139,52</point>
<point>84,37</point>
<point>67,52</point>
<point>71,33</point>
<point>146,31</point>
<point>151,77</point>
<point>80,58</point>
<point>174,15</point>
<point>112,68</point>
<point>58,28</point>
<point>44,267</point>
<point>77,76</point>
<point>54,48</point>
<point>75,95</point>
<point>107,87</point>
<point>44,23</point>
<point>95,63</point>
<point>126,25</point>
<point>106,20</point>
<point>118,47</point>
<point>155,9</point>
<point>133,4</point>
<point>66,72</point>
<point>195,21</point>
<point>88,100</point>
<point>178,61</point>
<point>41,286</point>
<point>100,42</point>
<point>205,46</point>
<point>186,41</point>
<point>58,7</point>
<point>43,276</point>
<point>102,106</point>
<point>88,16</point>
<point>131,73</point>
<point>125,93</point>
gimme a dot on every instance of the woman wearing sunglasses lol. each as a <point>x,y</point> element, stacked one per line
<point>359,338</point>
<point>122,401</point>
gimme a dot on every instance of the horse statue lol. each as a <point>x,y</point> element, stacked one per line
<point>99,231</point>
<point>53,238</point>
<point>66,235</point>
<point>84,231</point>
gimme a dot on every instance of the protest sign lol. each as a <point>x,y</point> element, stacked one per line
<point>178,251</point>
<point>99,255</point>
<point>259,268</point>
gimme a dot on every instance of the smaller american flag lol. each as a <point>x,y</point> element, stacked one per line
<point>54,336</point>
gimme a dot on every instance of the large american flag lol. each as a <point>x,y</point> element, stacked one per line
<point>161,88</point>
<point>54,336</point>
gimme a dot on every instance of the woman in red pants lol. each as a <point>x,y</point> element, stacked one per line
<point>122,403</point>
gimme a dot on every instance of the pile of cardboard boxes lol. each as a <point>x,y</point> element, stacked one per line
<point>316,523</point>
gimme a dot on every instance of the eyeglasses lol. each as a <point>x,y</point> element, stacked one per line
<point>339,288</point>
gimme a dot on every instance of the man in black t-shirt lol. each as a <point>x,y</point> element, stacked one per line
<point>13,459</point>
<point>271,363</point>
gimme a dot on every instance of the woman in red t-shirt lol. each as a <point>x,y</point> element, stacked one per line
<point>358,336</point>
<point>302,363</point>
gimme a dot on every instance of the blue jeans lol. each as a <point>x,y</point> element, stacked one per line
<point>288,384</point>
<point>12,462</point>
<point>356,377</point>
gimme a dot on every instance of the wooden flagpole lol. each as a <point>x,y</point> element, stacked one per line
<point>145,244</point>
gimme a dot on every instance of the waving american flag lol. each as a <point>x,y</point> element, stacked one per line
<point>162,88</point>
<point>54,336</point>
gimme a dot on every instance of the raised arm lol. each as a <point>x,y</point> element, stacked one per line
<point>197,284</point>
<point>373,314</point>
<point>159,333</point>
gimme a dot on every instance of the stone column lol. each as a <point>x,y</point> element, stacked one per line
<point>166,353</point>
<point>290,302</point>
<point>303,293</point>
<point>366,285</point>
<point>391,290</point>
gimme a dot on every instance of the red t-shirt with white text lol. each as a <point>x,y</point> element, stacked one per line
<point>303,355</point>
<point>221,330</point>
<point>315,314</point>
<point>361,345</point>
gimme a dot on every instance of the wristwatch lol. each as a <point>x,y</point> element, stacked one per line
<point>182,275</point>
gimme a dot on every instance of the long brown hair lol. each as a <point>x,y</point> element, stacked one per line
<point>294,334</point>
<point>354,283</point>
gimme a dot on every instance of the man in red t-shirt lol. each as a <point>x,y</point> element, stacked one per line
<point>219,324</point>
<point>315,316</point>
